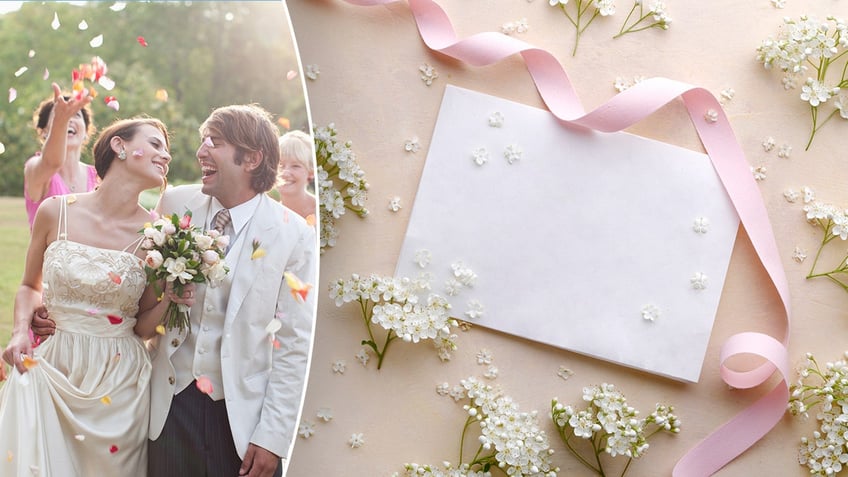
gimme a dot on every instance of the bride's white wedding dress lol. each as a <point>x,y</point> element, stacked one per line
<point>82,410</point>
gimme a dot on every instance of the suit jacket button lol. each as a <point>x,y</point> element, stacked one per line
<point>171,380</point>
<point>175,342</point>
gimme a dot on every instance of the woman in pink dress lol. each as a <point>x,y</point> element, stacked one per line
<point>64,125</point>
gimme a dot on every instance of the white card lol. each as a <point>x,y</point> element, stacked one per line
<point>578,240</point>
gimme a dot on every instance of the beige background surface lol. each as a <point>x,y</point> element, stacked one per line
<point>369,86</point>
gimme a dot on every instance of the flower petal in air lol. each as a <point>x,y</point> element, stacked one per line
<point>273,326</point>
<point>28,362</point>
<point>310,220</point>
<point>20,71</point>
<point>2,148</point>
<point>112,102</point>
<point>31,53</point>
<point>46,74</point>
<point>115,278</point>
<point>13,93</point>
<point>106,400</point>
<point>276,343</point>
<point>299,290</point>
<point>113,448</point>
<point>284,123</point>
<point>204,385</point>
<point>115,320</point>
<point>83,25</point>
<point>107,83</point>
<point>162,95</point>
<point>118,6</point>
<point>55,23</point>
<point>141,41</point>
<point>160,329</point>
<point>96,42</point>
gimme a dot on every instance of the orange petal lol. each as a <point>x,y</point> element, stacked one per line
<point>204,385</point>
<point>115,278</point>
<point>276,344</point>
<point>310,220</point>
<point>28,362</point>
<point>106,400</point>
<point>160,329</point>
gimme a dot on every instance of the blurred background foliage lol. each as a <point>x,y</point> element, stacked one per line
<point>203,54</point>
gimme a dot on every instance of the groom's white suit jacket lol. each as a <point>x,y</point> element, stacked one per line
<point>263,383</point>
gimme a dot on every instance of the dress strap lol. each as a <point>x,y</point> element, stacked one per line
<point>62,230</point>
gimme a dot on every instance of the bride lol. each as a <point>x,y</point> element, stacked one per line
<point>78,403</point>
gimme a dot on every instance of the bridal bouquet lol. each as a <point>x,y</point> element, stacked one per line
<point>180,253</point>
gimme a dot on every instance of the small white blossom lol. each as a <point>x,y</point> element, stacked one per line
<point>799,255</point>
<point>650,312</point>
<point>394,204</point>
<point>513,153</point>
<point>564,372</point>
<point>816,92</point>
<point>809,194</point>
<point>496,120</point>
<point>306,429</point>
<point>356,440</point>
<point>759,172</point>
<point>491,372</point>
<point>339,366</point>
<point>484,356</point>
<point>518,26</point>
<point>701,225</point>
<point>457,392</point>
<point>363,356</point>
<point>412,145</point>
<point>605,7</point>
<point>778,3</point>
<point>443,389</point>
<point>463,274</point>
<point>841,105</point>
<point>727,94</point>
<point>790,195</point>
<point>711,115</point>
<point>428,74</point>
<point>475,310</point>
<point>698,281</point>
<point>768,144</point>
<point>312,72</point>
<point>452,287</point>
<point>784,151</point>
<point>480,156</point>
<point>423,257</point>
<point>325,414</point>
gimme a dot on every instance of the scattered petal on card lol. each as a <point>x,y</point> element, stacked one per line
<point>96,42</point>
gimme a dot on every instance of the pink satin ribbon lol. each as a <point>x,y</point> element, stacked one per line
<point>623,110</point>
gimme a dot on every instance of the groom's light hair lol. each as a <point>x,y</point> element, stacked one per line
<point>248,127</point>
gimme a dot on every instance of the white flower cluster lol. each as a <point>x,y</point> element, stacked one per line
<point>340,181</point>
<point>834,223</point>
<point>397,306</point>
<point>610,424</point>
<point>510,440</point>
<point>805,43</point>
<point>826,452</point>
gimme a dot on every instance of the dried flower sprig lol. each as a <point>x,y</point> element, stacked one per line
<point>610,426</point>
<point>809,43</point>
<point>510,440</point>
<point>656,17</point>
<point>337,167</point>
<point>834,222</point>
<point>826,452</point>
<point>395,305</point>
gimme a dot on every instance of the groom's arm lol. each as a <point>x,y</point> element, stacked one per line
<point>283,396</point>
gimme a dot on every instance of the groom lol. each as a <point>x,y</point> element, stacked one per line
<point>245,422</point>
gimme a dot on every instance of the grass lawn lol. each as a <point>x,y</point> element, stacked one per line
<point>14,237</point>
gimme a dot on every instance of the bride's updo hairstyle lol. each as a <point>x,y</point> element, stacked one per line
<point>124,129</point>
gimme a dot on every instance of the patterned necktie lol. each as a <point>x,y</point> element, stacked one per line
<point>221,220</point>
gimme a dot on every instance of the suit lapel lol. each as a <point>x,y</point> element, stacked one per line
<point>262,227</point>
